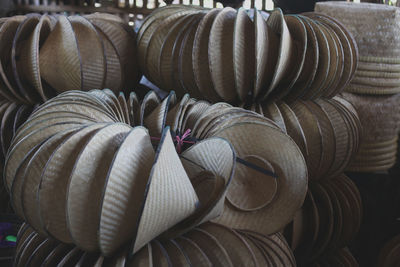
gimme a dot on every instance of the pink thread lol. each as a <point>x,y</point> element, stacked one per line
<point>180,141</point>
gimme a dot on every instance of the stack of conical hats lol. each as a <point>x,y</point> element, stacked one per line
<point>327,132</point>
<point>224,54</point>
<point>127,180</point>
<point>375,89</point>
<point>84,170</point>
<point>208,245</point>
<point>42,56</point>
<point>211,54</point>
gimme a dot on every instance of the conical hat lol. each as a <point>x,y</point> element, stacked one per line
<point>243,53</point>
<point>161,199</point>
<point>156,121</point>
<point>60,66</point>
<point>91,51</point>
<point>210,176</point>
<point>290,177</point>
<point>200,56</point>
<point>51,195</point>
<point>220,54</point>
<point>298,32</point>
<point>32,178</point>
<point>277,23</point>
<point>30,68</point>
<point>20,39</point>
<point>87,183</point>
<point>126,182</point>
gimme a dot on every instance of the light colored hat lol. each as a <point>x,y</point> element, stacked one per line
<point>30,67</point>
<point>326,131</point>
<point>270,208</point>
<point>61,65</point>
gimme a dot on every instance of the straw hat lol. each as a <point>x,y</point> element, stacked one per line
<point>326,132</point>
<point>75,53</point>
<point>270,208</point>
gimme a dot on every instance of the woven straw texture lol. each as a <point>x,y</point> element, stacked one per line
<point>46,55</point>
<point>84,170</point>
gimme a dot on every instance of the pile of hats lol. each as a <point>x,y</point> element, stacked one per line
<point>83,169</point>
<point>45,55</point>
<point>208,245</point>
<point>327,132</point>
<point>224,54</point>
<point>376,85</point>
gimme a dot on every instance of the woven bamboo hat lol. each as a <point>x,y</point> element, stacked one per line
<point>20,39</point>
<point>30,67</point>
<point>158,177</point>
<point>270,210</point>
<point>66,58</point>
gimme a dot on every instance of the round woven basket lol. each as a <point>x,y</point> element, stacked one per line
<point>373,26</point>
<point>379,116</point>
<point>376,29</point>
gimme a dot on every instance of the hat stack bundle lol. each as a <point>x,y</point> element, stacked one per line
<point>327,132</point>
<point>42,56</point>
<point>376,85</point>
<point>83,169</point>
<point>227,55</point>
<point>208,245</point>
